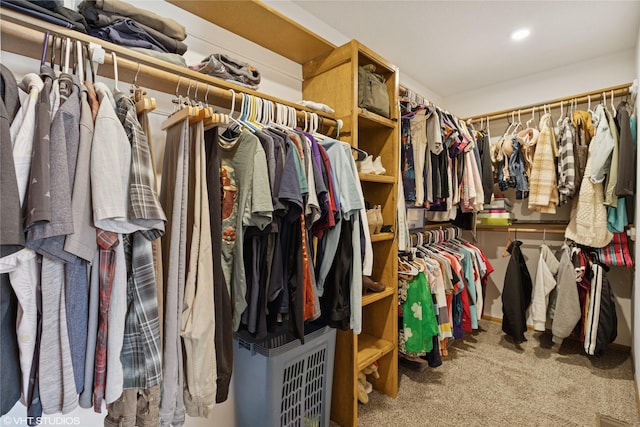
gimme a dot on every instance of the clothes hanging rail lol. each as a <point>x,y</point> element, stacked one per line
<point>24,36</point>
<point>523,229</point>
<point>409,95</point>
<point>595,95</point>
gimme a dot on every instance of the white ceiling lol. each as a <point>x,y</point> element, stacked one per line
<point>455,46</point>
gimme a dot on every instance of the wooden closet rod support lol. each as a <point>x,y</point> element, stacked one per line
<point>619,90</point>
<point>24,36</point>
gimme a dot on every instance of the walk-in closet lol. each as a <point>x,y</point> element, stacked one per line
<point>319,214</point>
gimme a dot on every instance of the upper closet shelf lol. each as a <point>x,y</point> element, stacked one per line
<point>24,36</point>
<point>263,25</point>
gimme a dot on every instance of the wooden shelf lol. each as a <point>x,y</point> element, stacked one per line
<point>372,297</point>
<point>368,120</point>
<point>371,349</point>
<point>23,35</point>
<point>332,79</point>
<point>383,179</point>
<point>380,237</point>
<point>263,25</point>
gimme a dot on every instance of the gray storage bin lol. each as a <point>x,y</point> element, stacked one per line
<point>280,382</point>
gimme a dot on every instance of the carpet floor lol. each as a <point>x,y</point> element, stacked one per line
<point>487,380</point>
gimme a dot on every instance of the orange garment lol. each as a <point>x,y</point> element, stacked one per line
<point>308,292</point>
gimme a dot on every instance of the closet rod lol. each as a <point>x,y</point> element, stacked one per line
<point>523,230</point>
<point>619,90</point>
<point>26,38</point>
<point>405,91</point>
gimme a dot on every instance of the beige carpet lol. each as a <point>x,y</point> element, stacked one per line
<point>487,381</point>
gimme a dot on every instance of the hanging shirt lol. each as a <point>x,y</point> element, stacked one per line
<point>246,202</point>
<point>351,202</point>
<point>22,132</point>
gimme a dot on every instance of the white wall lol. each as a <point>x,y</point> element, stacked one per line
<point>597,73</point>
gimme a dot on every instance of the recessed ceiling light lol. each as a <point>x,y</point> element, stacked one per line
<point>520,34</point>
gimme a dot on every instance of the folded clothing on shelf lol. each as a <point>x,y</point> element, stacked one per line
<point>98,18</point>
<point>127,32</point>
<point>167,26</point>
<point>317,106</point>
<point>50,11</point>
<point>172,58</point>
<point>227,68</point>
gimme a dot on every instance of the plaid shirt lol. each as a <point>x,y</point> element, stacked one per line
<point>107,242</point>
<point>144,206</point>
<point>141,360</point>
<point>566,162</point>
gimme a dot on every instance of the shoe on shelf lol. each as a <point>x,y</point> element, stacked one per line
<point>380,221</point>
<point>378,169</point>
<point>366,166</point>
<point>368,284</point>
<point>372,370</point>
<point>372,220</point>
<point>363,397</point>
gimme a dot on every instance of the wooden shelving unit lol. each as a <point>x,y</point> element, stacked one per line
<point>333,80</point>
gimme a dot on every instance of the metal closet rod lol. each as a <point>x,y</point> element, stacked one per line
<point>619,90</point>
<point>27,41</point>
<point>524,230</point>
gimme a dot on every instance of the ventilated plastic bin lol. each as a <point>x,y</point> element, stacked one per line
<point>280,382</point>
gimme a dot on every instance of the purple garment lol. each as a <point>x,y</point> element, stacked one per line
<point>321,188</point>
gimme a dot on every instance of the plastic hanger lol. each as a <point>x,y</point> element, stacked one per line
<point>142,102</point>
<point>517,126</point>
<point>115,72</point>
<point>511,124</point>
<point>411,269</point>
<point>45,46</point>
<point>561,114</point>
<point>67,48</point>
<point>613,108</point>
<point>54,40</point>
<point>533,116</point>
<point>79,59</point>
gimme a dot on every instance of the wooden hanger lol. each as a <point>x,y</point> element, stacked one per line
<point>185,112</point>
<point>505,252</point>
